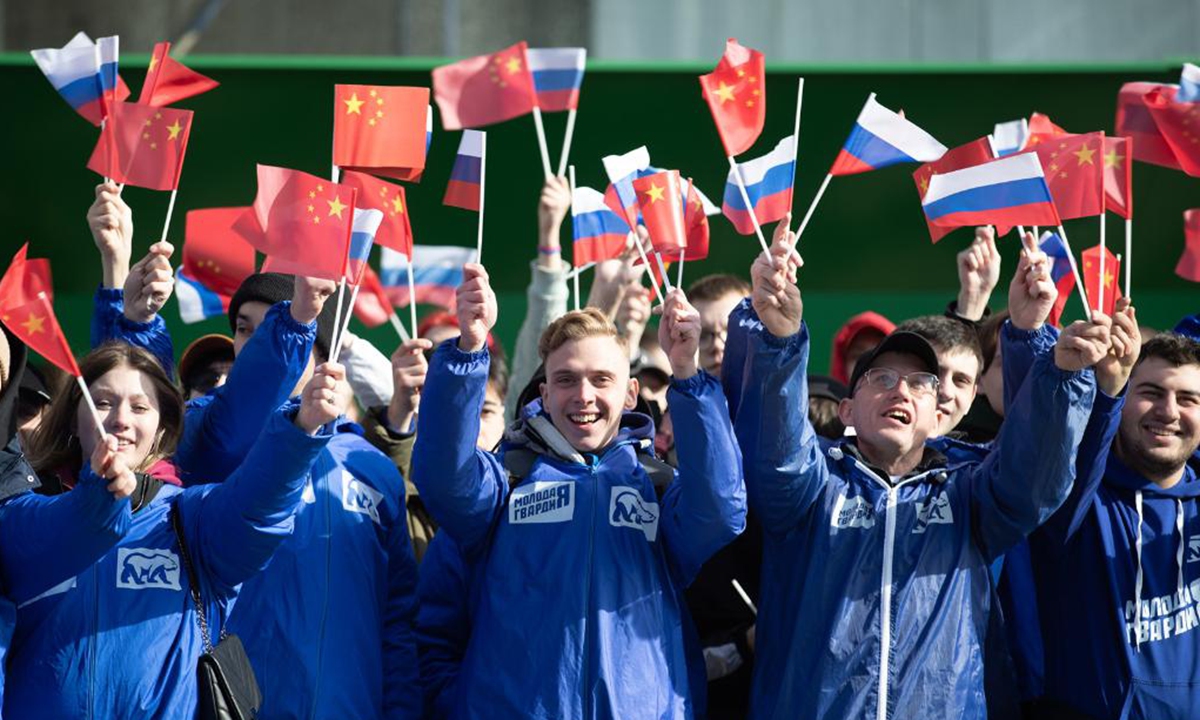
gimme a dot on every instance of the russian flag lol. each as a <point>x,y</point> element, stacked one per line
<point>1189,84</point>
<point>557,75</point>
<point>600,233</point>
<point>85,74</point>
<point>463,189</point>
<point>1009,191</point>
<point>437,273</point>
<point>768,182</point>
<point>362,239</point>
<point>1060,272</point>
<point>196,301</point>
<point>880,138</point>
<point>1009,137</point>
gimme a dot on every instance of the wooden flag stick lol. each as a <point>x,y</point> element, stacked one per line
<point>566,149</point>
<point>796,142</point>
<point>1128,254</point>
<point>1103,252</point>
<point>341,335</point>
<point>1087,309</point>
<point>808,215</point>
<point>541,136</point>
<point>412,294</point>
<point>482,179</point>
<point>637,241</point>
<point>741,183</point>
<point>87,396</point>
<point>394,319</point>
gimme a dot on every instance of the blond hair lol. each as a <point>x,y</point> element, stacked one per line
<point>577,325</point>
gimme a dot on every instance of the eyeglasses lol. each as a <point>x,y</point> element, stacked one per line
<point>919,383</point>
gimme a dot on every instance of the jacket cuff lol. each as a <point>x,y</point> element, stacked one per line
<point>697,385</point>
<point>282,312</point>
<point>110,295</point>
<point>450,352</point>
<point>794,340</point>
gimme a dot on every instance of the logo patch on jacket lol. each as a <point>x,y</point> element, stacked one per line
<point>934,511</point>
<point>359,497</point>
<point>628,509</point>
<point>542,502</point>
<point>1193,549</point>
<point>853,512</point>
<point>147,568</point>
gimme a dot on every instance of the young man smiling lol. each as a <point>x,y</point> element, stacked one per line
<point>875,568</point>
<point>578,562</point>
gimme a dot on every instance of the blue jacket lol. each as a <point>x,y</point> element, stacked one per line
<point>109,323</point>
<point>579,609</point>
<point>342,645</point>
<point>875,597</point>
<point>443,622</point>
<point>120,638</point>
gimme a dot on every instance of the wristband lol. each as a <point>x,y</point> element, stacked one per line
<point>544,250</point>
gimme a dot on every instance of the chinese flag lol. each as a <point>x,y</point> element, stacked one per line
<point>380,129</point>
<point>372,306</point>
<point>396,231</point>
<point>168,81</point>
<point>1091,278</point>
<point>485,89</point>
<point>659,200</point>
<point>142,145</point>
<point>696,224</point>
<point>1118,175</point>
<point>1042,129</point>
<point>1135,121</point>
<point>737,97</point>
<point>1074,167</point>
<point>26,311</point>
<point>300,221</point>
<point>1179,125</point>
<point>1189,263</point>
<point>973,153</point>
<point>213,253</point>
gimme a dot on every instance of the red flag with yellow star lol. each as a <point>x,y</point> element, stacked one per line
<point>1135,121</point>
<point>26,311</point>
<point>659,201</point>
<point>1179,125</point>
<point>976,152</point>
<point>301,222</point>
<point>381,130</point>
<point>213,254</point>
<point>485,89</point>
<point>1118,175</point>
<point>1074,167</point>
<point>1091,278</point>
<point>1041,129</point>
<point>737,96</point>
<point>142,145</point>
<point>396,230</point>
<point>168,81</point>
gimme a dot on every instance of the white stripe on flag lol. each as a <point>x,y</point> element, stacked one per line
<point>556,58</point>
<point>1009,169</point>
<point>471,144</point>
<point>444,255</point>
<point>755,170</point>
<point>620,167</point>
<point>588,200</point>
<point>899,132</point>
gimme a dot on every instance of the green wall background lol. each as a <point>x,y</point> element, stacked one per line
<point>866,247</point>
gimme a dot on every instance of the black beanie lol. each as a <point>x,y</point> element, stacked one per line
<point>271,288</point>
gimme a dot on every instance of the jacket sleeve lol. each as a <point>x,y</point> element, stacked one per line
<point>1019,348</point>
<point>234,528</point>
<point>1029,473</point>
<point>704,508</point>
<point>401,674</point>
<point>219,432</point>
<point>463,487</point>
<point>784,468</point>
<point>109,323</point>
<point>443,624</point>
<point>47,540</point>
<point>742,321</point>
<point>546,301</point>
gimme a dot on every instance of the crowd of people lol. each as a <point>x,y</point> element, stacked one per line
<point>974,515</point>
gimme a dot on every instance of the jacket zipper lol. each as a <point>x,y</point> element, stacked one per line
<point>592,464</point>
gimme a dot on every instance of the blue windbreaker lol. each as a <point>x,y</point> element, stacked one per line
<point>578,612</point>
<point>328,625</point>
<point>875,597</point>
<point>120,639</point>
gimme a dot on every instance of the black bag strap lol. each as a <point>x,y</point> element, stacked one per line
<point>518,461</point>
<point>193,582</point>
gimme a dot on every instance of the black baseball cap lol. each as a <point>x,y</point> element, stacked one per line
<point>900,341</point>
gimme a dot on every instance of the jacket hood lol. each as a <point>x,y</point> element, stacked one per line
<point>868,320</point>
<point>535,430</point>
<point>1119,475</point>
<point>12,387</point>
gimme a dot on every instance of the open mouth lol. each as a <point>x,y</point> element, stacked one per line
<point>899,415</point>
<point>583,418</point>
<point>1159,431</point>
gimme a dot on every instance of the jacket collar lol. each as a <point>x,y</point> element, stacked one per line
<point>931,459</point>
<point>1119,475</point>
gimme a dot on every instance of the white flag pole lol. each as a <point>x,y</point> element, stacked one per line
<point>813,206</point>
<point>398,326</point>
<point>566,149</point>
<point>1103,252</point>
<point>337,348</point>
<point>1087,308</point>
<point>571,181</point>
<point>662,270</point>
<point>87,396</point>
<point>541,136</point>
<point>482,179</point>
<point>1128,254</point>
<point>412,296</point>
<point>679,278</point>
<point>337,319</point>
<point>796,142</point>
<point>170,209</point>
<point>637,241</point>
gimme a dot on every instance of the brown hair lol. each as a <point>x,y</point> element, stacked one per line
<point>989,338</point>
<point>1172,348</point>
<point>715,287</point>
<point>55,443</point>
<point>577,325</point>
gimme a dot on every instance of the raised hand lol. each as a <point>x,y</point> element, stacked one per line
<point>679,334</point>
<point>1083,344</point>
<point>409,368</point>
<point>1113,371</point>
<point>111,223</point>
<point>978,274</point>
<point>150,283</point>
<point>553,206</point>
<point>309,296</point>
<point>775,296</point>
<point>106,463</point>
<point>324,398</point>
<point>476,308</point>
<point>1032,293</point>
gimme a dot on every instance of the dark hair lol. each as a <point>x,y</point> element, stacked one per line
<point>989,338</point>
<point>498,374</point>
<point>823,414</point>
<point>55,443</point>
<point>715,287</point>
<point>945,334</point>
<point>1174,349</point>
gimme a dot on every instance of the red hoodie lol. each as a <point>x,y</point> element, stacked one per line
<point>845,337</point>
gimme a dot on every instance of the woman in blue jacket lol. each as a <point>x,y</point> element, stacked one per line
<point>120,638</point>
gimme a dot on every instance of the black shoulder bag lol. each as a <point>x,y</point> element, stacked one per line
<point>226,685</point>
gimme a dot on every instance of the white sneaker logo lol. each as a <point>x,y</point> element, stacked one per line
<point>147,568</point>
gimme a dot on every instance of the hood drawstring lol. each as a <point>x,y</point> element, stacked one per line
<point>1182,544</point>
<point>1137,585</point>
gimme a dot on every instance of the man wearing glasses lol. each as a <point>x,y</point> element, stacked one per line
<point>875,587</point>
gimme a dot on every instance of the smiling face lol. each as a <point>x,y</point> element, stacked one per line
<point>587,389</point>
<point>129,410</point>
<point>892,425</point>
<point>957,372</point>
<point>1160,423</point>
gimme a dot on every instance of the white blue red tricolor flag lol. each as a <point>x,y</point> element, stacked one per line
<point>437,273</point>
<point>85,74</point>
<point>1008,191</point>
<point>557,76</point>
<point>768,182</point>
<point>463,189</point>
<point>600,233</point>
<point>881,138</point>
